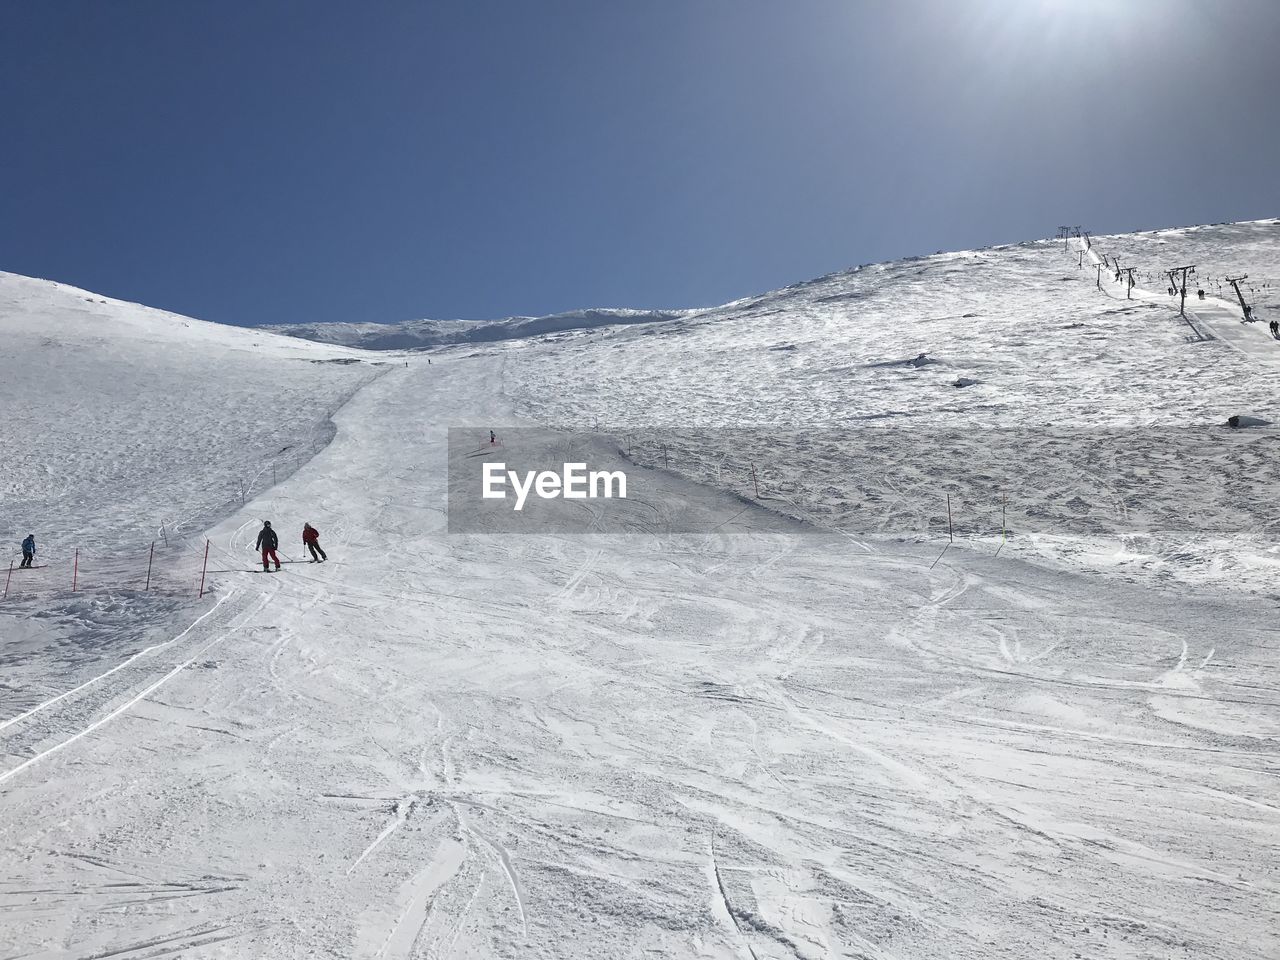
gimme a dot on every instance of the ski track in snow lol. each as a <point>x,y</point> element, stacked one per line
<point>747,745</point>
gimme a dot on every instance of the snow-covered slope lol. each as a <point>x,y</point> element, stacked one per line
<point>422,334</point>
<point>120,418</point>
<point>125,427</point>
<point>751,743</point>
<point>1003,377</point>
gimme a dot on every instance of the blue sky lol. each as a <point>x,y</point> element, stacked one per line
<point>301,161</point>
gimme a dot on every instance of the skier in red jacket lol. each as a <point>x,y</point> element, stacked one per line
<point>311,539</point>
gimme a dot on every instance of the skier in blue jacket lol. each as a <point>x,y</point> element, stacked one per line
<point>28,551</point>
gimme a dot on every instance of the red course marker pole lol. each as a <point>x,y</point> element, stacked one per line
<point>75,571</point>
<point>149,559</point>
<point>204,568</point>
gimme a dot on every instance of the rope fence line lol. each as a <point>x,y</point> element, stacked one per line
<point>955,518</point>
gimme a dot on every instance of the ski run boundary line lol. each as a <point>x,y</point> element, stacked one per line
<point>141,696</point>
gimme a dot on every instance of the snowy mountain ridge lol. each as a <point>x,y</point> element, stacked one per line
<point>424,334</point>
<point>1243,247</point>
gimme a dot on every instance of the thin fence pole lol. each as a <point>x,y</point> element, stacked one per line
<point>7,579</point>
<point>150,558</point>
<point>755,481</point>
<point>950,530</point>
<point>204,569</point>
<point>75,571</point>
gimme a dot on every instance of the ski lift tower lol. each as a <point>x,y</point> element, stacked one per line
<point>1190,269</point>
<point>1235,285</point>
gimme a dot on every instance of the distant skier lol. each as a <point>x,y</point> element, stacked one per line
<point>1275,329</point>
<point>267,543</point>
<point>28,551</point>
<point>311,539</point>
<point>493,438</point>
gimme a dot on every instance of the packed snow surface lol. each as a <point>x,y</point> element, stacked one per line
<point>772,741</point>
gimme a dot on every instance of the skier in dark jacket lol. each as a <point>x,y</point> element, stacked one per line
<point>267,543</point>
<point>28,551</point>
<point>311,540</point>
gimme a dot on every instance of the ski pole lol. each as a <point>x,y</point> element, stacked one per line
<point>7,579</point>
